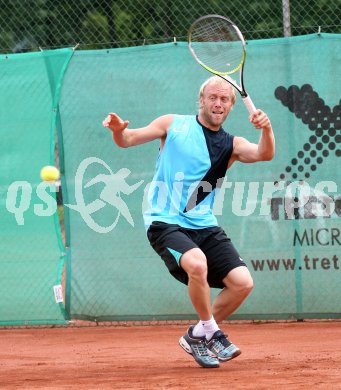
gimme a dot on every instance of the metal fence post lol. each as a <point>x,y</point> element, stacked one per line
<point>286,18</point>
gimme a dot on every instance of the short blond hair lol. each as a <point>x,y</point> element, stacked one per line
<point>217,80</point>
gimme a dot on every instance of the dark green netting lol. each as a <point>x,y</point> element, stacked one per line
<point>112,272</point>
<point>31,248</point>
<point>115,274</point>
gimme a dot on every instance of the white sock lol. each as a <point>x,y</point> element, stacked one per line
<point>199,330</point>
<point>210,327</point>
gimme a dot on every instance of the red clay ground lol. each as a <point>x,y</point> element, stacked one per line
<point>275,356</point>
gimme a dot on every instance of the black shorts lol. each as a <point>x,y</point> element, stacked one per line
<point>171,241</point>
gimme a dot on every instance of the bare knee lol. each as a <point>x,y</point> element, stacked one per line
<point>195,264</point>
<point>240,281</point>
<point>198,270</point>
<point>247,287</point>
<point>242,289</point>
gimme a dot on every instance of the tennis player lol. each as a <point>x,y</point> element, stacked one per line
<point>195,153</point>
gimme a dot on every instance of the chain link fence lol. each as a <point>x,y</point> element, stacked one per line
<point>27,25</point>
<point>295,259</point>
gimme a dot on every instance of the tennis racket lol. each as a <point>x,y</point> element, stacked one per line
<point>217,44</point>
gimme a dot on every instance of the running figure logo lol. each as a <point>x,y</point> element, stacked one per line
<point>114,185</point>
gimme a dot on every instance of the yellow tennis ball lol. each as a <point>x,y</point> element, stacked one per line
<point>49,173</point>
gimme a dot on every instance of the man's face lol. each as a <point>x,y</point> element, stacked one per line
<point>215,104</point>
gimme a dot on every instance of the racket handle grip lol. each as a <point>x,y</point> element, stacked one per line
<point>249,104</point>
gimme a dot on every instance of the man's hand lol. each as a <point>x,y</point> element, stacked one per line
<point>260,120</point>
<point>115,123</point>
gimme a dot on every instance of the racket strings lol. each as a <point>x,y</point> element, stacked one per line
<point>217,44</point>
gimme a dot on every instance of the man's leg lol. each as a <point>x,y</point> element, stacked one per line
<point>171,242</point>
<point>238,284</point>
<point>195,264</point>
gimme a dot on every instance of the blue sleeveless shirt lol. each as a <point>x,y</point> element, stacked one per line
<point>189,172</point>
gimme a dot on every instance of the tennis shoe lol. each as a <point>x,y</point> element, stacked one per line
<point>221,347</point>
<point>196,346</point>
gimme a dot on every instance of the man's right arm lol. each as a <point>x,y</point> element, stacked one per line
<point>125,137</point>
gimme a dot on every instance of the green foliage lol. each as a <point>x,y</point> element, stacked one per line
<point>29,24</point>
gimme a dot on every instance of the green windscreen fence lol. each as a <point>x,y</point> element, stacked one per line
<point>31,249</point>
<point>284,216</point>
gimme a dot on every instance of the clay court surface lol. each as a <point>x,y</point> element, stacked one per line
<point>280,355</point>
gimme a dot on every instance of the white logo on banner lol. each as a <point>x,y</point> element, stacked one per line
<point>114,185</point>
